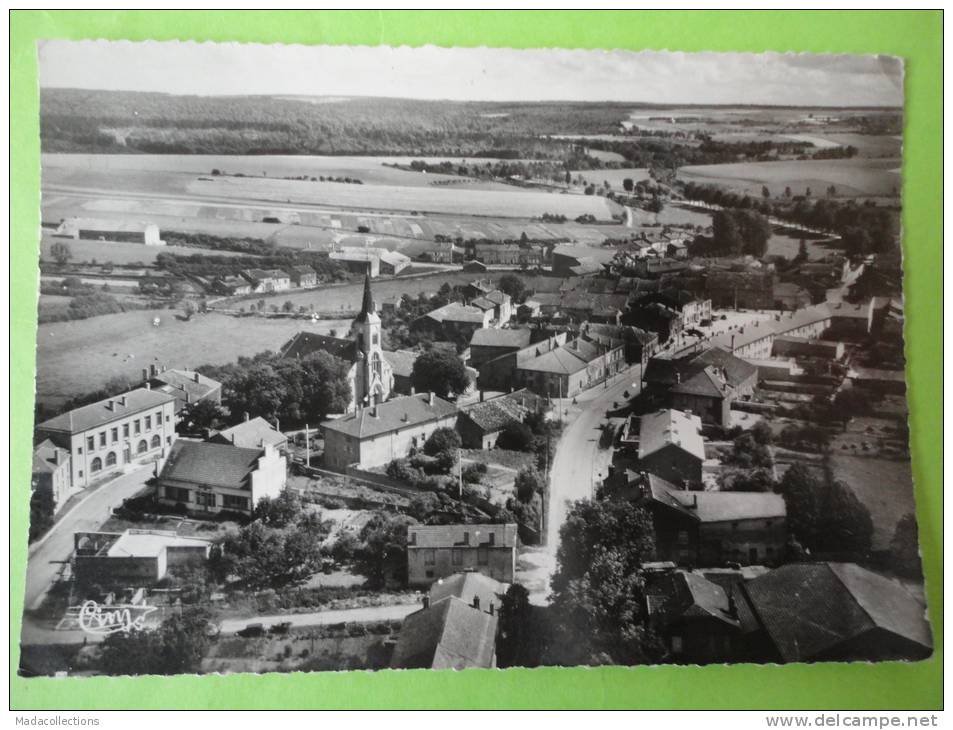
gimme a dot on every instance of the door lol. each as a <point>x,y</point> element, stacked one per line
<point>126,455</point>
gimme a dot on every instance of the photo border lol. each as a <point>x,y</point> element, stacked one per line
<point>916,36</point>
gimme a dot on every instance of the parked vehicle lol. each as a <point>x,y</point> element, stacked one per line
<point>252,630</point>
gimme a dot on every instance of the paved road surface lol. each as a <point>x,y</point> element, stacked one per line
<point>321,618</point>
<point>87,515</point>
<point>576,470</point>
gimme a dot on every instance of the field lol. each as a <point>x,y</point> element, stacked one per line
<point>613,177</point>
<point>121,254</point>
<point>885,486</point>
<point>856,177</point>
<point>121,345</point>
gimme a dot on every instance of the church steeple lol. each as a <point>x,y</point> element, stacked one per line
<point>367,306</point>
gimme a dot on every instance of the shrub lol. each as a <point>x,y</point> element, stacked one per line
<point>442,440</point>
<point>472,473</point>
<point>515,437</point>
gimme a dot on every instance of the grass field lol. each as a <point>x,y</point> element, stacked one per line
<point>613,177</point>
<point>121,345</point>
<point>121,254</point>
<point>884,486</point>
<point>856,177</point>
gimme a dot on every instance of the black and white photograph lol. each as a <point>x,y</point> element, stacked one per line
<point>373,357</point>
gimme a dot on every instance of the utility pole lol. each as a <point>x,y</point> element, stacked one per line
<point>307,445</point>
<point>460,472</point>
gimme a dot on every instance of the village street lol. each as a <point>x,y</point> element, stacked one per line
<point>325,618</point>
<point>578,466</point>
<point>47,555</point>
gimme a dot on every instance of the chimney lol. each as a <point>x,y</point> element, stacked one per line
<point>195,377</point>
<point>678,377</point>
<point>481,395</point>
<point>145,375</point>
<point>426,600</point>
<point>374,411</point>
<point>233,439</point>
<point>413,390</point>
<point>246,416</point>
<point>153,370</point>
<point>188,397</point>
<point>430,397</point>
<point>110,405</point>
<point>491,609</point>
<point>122,399</point>
<point>476,602</point>
<point>148,385</point>
<point>56,456</point>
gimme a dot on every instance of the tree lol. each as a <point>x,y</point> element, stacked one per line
<point>765,192</point>
<point>748,452</point>
<point>528,483</point>
<point>266,557</point>
<point>746,480</point>
<point>513,285</point>
<point>177,646</point>
<point>205,414</point>
<point>288,306</point>
<point>761,433</point>
<point>442,441</point>
<point>383,549</point>
<point>801,491</point>
<point>905,548</point>
<point>61,253</point>
<point>440,372</point>
<point>279,511</point>
<point>41,512</point>
<point>598,603</point>
<point>520,640</point>
<point>628,185</point>
<point>515,437</point>
<point>725,231</point>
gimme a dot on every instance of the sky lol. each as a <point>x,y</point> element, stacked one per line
<point>473,74</point>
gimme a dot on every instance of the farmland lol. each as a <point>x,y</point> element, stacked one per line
<point>852,178</point>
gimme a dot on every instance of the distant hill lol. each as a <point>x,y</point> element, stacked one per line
<point>74,120</point>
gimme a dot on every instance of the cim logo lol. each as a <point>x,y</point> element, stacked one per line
<point>100,621</point>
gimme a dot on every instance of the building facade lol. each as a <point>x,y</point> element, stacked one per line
<point>435,552</point>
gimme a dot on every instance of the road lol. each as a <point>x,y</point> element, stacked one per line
<point>578,465</point>
<point>322,618</point>
<point>46,556</point>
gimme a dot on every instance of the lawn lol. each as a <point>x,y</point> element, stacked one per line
<point>856,177</point>
<point>122,345</point>
<point>885,486</point>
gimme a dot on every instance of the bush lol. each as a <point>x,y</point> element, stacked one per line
<point>473,473</point>
<point>515,437</point>
<point>441,441</point>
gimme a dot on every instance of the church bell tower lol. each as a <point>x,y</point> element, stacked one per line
<point>374,378</point>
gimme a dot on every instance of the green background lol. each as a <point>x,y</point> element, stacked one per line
<point>915,35</point>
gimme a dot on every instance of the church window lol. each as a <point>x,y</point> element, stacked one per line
<point>376,364</point>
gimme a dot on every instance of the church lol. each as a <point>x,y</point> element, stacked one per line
<point>372,372</point>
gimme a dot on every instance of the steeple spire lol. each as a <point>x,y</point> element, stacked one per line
<point>367,306</point>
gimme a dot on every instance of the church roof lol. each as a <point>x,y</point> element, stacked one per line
<point>306,343</point>
<point>367,304</point>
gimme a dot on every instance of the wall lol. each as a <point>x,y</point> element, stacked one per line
<point>498,563</point>
<point>270,477</point>
<point>674,465</point>
<point>748,542</point>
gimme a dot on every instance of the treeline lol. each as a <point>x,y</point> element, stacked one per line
<point>865,228</point>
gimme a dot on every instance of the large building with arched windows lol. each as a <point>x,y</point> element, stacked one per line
<point>372,368</point>
<point>102,437</point>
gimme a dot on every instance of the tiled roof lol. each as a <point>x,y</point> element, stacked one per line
<point>706,382</point>
<point>710,507</point>
<point>810,609</point>
<point>393,415</point>
<point>254,433</point>
<point>681,594</point>
<point>483,303</point>
<point>149,543</point>
<point>401,361</point>
<point>493,415</point>
<point>466,587</point>
<point>668,426</point>
<point>202,462</point>
<point>666,371</point>
<point>181,382</point>
<point>448,635</point>
<point>435,536</point>
<point>306,343</point>
<point>515,338</point>
<point>736,370</point>
<point>44,454</point>
<point>456,312</point>
<point>497,297</point>
<point>100,413</point>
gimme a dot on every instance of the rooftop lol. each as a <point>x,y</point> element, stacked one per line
<point>681,594</point>
<point>393,415</point>
<point>466,587</point>
<point>48,457</point>
<point>401,361</point>
<point>515,338</point>
<point>662,428</point>
<point>450,634</point>
<point>188,386</point>
<point>149,543</point>
<point>107,410</point>
<point>254,433</point>
<point>435,536</point>
<point>203,462</point>
<point>457,312</point>
<point>494,415</point>
<point>307,343</point>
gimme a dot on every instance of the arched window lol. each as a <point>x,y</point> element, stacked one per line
<point>96,465</point>
<point>111,458</point>
<point>156,441</point>
<point>376,364</point>
<point>143,447</point>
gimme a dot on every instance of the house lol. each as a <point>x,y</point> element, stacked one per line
<point>694,616</point>
<point>370,375</point>
<point>358,260</point>
<point>671,446</point>
<point>132,427</point>
<point>385,431</point>
<point>568,369</point>
<point>449,632</point>
<point>252,433</point>
<point>639,345</point>
<point>488,344</point>
<point>702,528</point>
<point>787,346</point>
<point>879,381</point>
<point>92,229</point>
<point>235,286</point>
<point>454,321</point>
<point>471,587</point>
<point>693,310</point>
<point>788,295</point>
<point>51,473</point>
<point>267,280</point>
<point>504,254</point>
<point>392,262</point>
<point>497,301</point>
<point>664,321</point>
<point>833,612</point>
<point>402,368</point>
<point>500,352</point>
<point>752,288</point>
<point>202,476</point>
<point>188,386</point>
<point>575,260</point>
<point>134,558</point>
<point>302,276</point>
<point>439,551</point>
<point>481,424</point>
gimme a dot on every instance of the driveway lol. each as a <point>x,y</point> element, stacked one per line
<point>47,556</point>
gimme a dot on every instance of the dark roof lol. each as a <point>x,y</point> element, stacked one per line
<point>393,415</point>
<point>736,370</point>
<point>494,415</point>
<point>401,362</point>
<point>367,302</point>
<point>306,343</point>
<point>809,609</point>
<point>666,371</point>
<point>107,410</point>
<point>43,456</point>
<point>435,536</point>
<point>180,383</point>
<point>515,338</point>
<point>681,595</point>
<point>255,433</point>
<point>202,462</point>
<point>448,635</point>
<point>466,587</point>
<point>706,382</point>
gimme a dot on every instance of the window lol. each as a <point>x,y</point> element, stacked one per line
<point>177,493</point>
<point>456,556</point>
<point>156,441</point>
<point>158,417</point>
<point>231,501</point>
<point>205,499</point>
<point>492,539</point>
<point>413,539</point>
<point>114,435</point>
<point>102,438</point>
<point>168,439</point>
<point>375,338</point>
<point>80,473</point>
<point>79,449</point>
<point>143,447</point>
<point>125,430</point>
<point>683,537</point>
<point>111,458</point>
<point>483,555</point>
<point>137,427</point>
<point>430,557</point>
<point>148,423</point>
<point>466,538</point>
<point>96,465</point>
<point>90,443</point>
